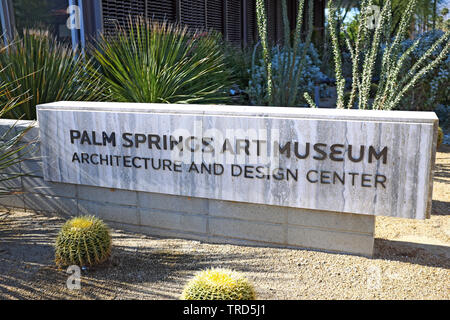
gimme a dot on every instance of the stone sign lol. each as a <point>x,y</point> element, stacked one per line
<point>355,161</point>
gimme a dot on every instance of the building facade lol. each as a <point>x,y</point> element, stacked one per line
<point>78,20</point>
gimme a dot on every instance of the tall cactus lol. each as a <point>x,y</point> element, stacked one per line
<point>393,83</point>
<point>285,90</point>
<point>261,19</point>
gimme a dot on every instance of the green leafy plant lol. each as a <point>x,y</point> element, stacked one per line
<point>151,61</point>
<point>393,84</point>
<point>83,241</point>
<point>218,284</point>
<point>43,70</point>
<point>238,61</point>
<point>282,82</point>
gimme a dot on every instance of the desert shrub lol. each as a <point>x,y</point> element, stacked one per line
<point>309,75</point>
<point>218,284</point>
<point>443,113</point>
<point>160,62</point>
<point>83,241</point>
<point>440,137</point>
<point>434,87</point>
<point>42,70</point>
<point>238,61</point>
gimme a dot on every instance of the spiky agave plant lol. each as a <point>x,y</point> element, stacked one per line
<point>151,61</point>
<point>12,148</point>
<point>218,284</point>
<point>394,83</point>
<point>45,70</point>
<point>83,241</point>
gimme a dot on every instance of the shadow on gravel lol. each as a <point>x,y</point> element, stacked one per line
<point>27,269</point>
<point>442,170</point>
<point>429,255</point>
<point>440,208</point>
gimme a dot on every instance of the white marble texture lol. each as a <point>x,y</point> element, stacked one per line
<point>408,136</point>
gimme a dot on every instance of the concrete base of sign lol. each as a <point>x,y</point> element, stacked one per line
<point>208,220</point>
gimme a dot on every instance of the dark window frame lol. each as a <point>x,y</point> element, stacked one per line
<point>91,22</point>
<point>7,20</point>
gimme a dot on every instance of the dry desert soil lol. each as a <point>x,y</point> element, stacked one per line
<point>411,261</point>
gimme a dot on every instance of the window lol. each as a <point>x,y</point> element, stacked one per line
<point>117,12</point>
<point>25,14</point>
<point>70,21</point>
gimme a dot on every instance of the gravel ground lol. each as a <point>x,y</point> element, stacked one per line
<point>411,261</point>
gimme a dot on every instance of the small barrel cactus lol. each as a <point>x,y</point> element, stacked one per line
<point>218,284</point>
<point>83,241</point>
<point>440,137</point>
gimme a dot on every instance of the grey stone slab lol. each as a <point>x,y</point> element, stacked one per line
<point>39,185</point>
<point>32,129</point>
<point>33,168</point>
<point>248,211</point>
<point>253,111</point>
<point>109,212</point>
<point>11,181</point>
<point>248,230</point>
<point>31,151</point>
<point>392,178</point>
<point>50,204</point>
<point>161,232</point>
<point>7,129</point>
<point>124,226</point>
<point>332,220</point>
<point>355,243</point>
<point>172,203</point>
<point>173,220</point>
<point>13,169</point>
<point>107,195</point>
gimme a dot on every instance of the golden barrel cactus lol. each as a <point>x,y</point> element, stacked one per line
<point>83,241</point>
<point>218,284</point>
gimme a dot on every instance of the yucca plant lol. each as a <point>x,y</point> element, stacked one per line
<point>44,70</point>
<point>83,241</point>
<point>218,284</point>
<point>282,88</point>
<point>161,62</point>
<point>394,83</point>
